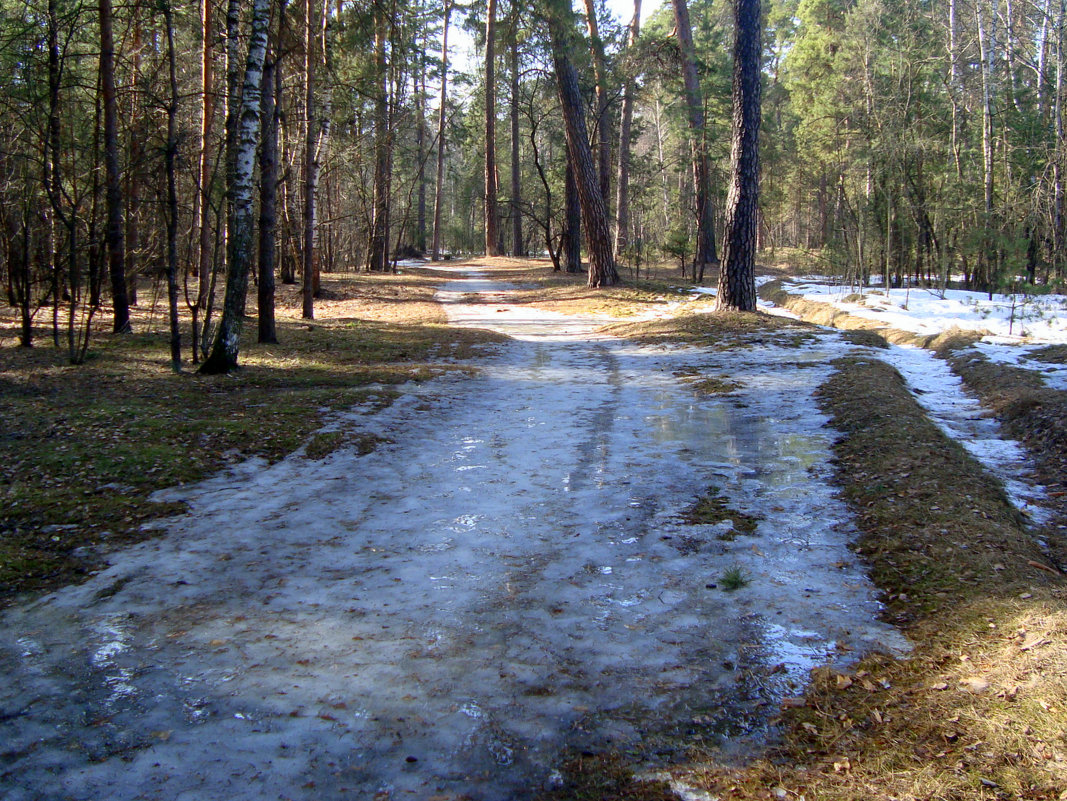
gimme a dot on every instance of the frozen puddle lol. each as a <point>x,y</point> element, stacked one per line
<point>508,579</point>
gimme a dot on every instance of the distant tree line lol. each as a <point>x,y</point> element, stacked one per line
<point>195,151</point>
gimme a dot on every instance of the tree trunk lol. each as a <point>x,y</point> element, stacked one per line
<point>517,246</point>
<point>172,192</point>
<point>420,146</point>
<point>441,119</point>
<point>705,253</point>
<point>602,270</point>
<point>223,357</point>
<point>603,122</point>
<point>114,238</point>
<point>572,220</point>
<point>737,281</point>
<point>492,213</point>
<point>622,203</point>
<point>268,190</point>
<point>313,46</point>
<point>987,56</point>
<point>378,256</point>
<point>202,212</point>
<point>1059,217</point>
<point>134,256</point>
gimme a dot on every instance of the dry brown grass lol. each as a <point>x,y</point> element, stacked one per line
<point>568,293</point>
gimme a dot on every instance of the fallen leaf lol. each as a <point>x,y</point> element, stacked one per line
<point>868,685</point>
<point>1043,566</point>
<point>217,643</point>
<point>843,681</point>
<point>842,766</point>
<point>1033,641</point>
<point>793,703</point>
<point>939,686</point>
<point>809,727</point>
<point>876,716</point>
<point>974,684</point>
<point>164,735</point>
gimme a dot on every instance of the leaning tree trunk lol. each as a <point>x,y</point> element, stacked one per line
<point>223,356</point>
<point>116,255</point>
<point>697,141</point>
<point>492,212</point>
<point>737,281</point>
<point>602,270</point>
<point>622,203</point>
<point>441,118</point>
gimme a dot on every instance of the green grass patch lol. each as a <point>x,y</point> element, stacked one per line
<point>734,578</point>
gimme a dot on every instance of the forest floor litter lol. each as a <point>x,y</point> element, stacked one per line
<point>584,545</point>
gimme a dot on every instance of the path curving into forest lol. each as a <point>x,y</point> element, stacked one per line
<point>507,578</point>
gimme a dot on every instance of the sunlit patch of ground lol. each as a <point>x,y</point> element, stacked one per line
<point>82,447</point>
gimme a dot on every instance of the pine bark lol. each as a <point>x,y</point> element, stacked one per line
<point>223,356</point>
<point>202,210</point>
<point>705,253</point>
<point>113,235</point>
<point>268,195</point>
<point>572,221</point>
<point>622,203</point>
<point>313,48</point>
<point>441,119</point>
<point>517,246</point>
<point>420,146</point>
<point>603,121</point>
<point>171,157</point>
<point>492,212</point>
<point>602,270</point>
<point>737,279</point>
<point>378,252</point>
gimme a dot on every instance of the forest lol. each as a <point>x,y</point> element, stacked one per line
<point>915,141</point>
<point>513,496</point>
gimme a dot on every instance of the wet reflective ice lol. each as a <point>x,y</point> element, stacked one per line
<point>508,578</point>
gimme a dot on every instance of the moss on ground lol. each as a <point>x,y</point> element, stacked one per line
<point>712,508</point>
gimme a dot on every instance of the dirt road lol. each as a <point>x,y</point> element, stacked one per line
<point>507,578</point>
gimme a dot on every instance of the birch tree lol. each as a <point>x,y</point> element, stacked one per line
<point>223,356</point>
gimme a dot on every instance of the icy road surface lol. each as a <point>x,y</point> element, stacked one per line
<point>507,579</point>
